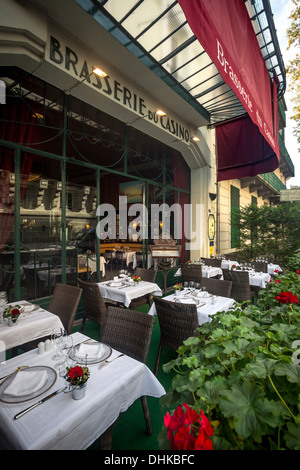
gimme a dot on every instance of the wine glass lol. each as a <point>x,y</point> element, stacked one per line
<point>57,339</point>
<point>65,347</point>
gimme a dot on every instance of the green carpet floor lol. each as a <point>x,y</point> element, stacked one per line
<point>130,431</point>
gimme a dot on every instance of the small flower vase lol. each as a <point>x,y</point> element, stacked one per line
<point>78,391</point>
<point>136,283</point>
<point>177,292</point>
<point>12,322</point>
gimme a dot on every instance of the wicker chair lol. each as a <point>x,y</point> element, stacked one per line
<point>146,275</point>
<point>177,323</point>
<point>63,303</point>
<point>191,272</point>
<point>240,290</point>
<point>95,306</point>
<point>217,286</point>
<point>216,263</point>
<point>121,260</point>
<point>260,266</point>
<point>130,333</point>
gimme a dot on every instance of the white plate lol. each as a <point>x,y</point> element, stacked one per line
<point>93,359</point>
<point>116,283</point>
<point>50,380</point>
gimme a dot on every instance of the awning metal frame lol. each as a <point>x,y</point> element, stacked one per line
<point>171,66</point>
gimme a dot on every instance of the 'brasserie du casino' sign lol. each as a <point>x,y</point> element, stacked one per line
<point>69,59</point>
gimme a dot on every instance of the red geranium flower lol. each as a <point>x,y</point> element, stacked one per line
<point>287,298</point>
<point>75,372</point>
<point>188,430</point>
<point>278,280</point>
<point>15,312</point>
<point>298,271</point>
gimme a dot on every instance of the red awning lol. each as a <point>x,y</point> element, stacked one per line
<point>225,31</point>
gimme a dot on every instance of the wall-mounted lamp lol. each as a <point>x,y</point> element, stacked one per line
<point>96,71</point>
<point>212,196</point>
<point>159,112</point>
<point>195,139</point>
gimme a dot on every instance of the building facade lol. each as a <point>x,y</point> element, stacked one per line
<point>88,163</point>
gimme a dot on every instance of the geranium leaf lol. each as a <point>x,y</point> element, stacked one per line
<point>291,371</point>
<point>252,413</point>
<point>292,436</point>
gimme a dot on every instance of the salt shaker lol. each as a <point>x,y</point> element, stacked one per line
<point>41,347</point>
<point>48,345</point>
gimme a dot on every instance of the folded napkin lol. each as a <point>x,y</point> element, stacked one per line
<point>26,382</point>
<point>91,351</point>
<point>28,308</point>
<point>186,300</point>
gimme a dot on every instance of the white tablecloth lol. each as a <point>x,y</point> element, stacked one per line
<point>66,424</point>
<point>227,264</point>
<point>32,326</point>
<point>130,257</point>
<point>93,264</point>
<point>259,279</point>
<point>125,295</point>
<point>221,303</point>
<point>274,267</point>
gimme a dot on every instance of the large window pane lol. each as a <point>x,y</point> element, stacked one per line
<point>40,225</point>
<point>7,209</point>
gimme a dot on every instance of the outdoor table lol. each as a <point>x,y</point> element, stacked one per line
<point>259,279</point>
<point>128,291</point>
<point>208,304</point>
<point>227,263</point>
<point>63,423</point>
<point>30,326</point>
<point>273,267</point>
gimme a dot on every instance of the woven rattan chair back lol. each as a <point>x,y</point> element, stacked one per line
<point>240,290</point>
<point>217,286</point>
<point>191,272</point>
<point>64,303</point>
<point>94,305</point>
<point>129,332</point>
<point>145,274</point>
<point>177,323</point>
<point>216,263</point>
<point>260,266</point>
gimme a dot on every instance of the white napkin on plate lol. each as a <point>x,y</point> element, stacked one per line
<point>26,383</point>
<point>91,351</point>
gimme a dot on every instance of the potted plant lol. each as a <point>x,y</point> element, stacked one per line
<point>243,371</point>
<point>177,288</point>
<point>12,313</point>
<point>136,280</point>
<point>77,377</point>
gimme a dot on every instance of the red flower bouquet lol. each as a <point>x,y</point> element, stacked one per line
<point>13,312</point>
<point>77,375</point>
<point>287,298</point>
<point>188,430</point>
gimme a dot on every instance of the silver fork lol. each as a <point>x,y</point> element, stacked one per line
<point>107,361</point>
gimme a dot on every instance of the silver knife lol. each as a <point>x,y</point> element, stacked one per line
<point>22,413</point>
